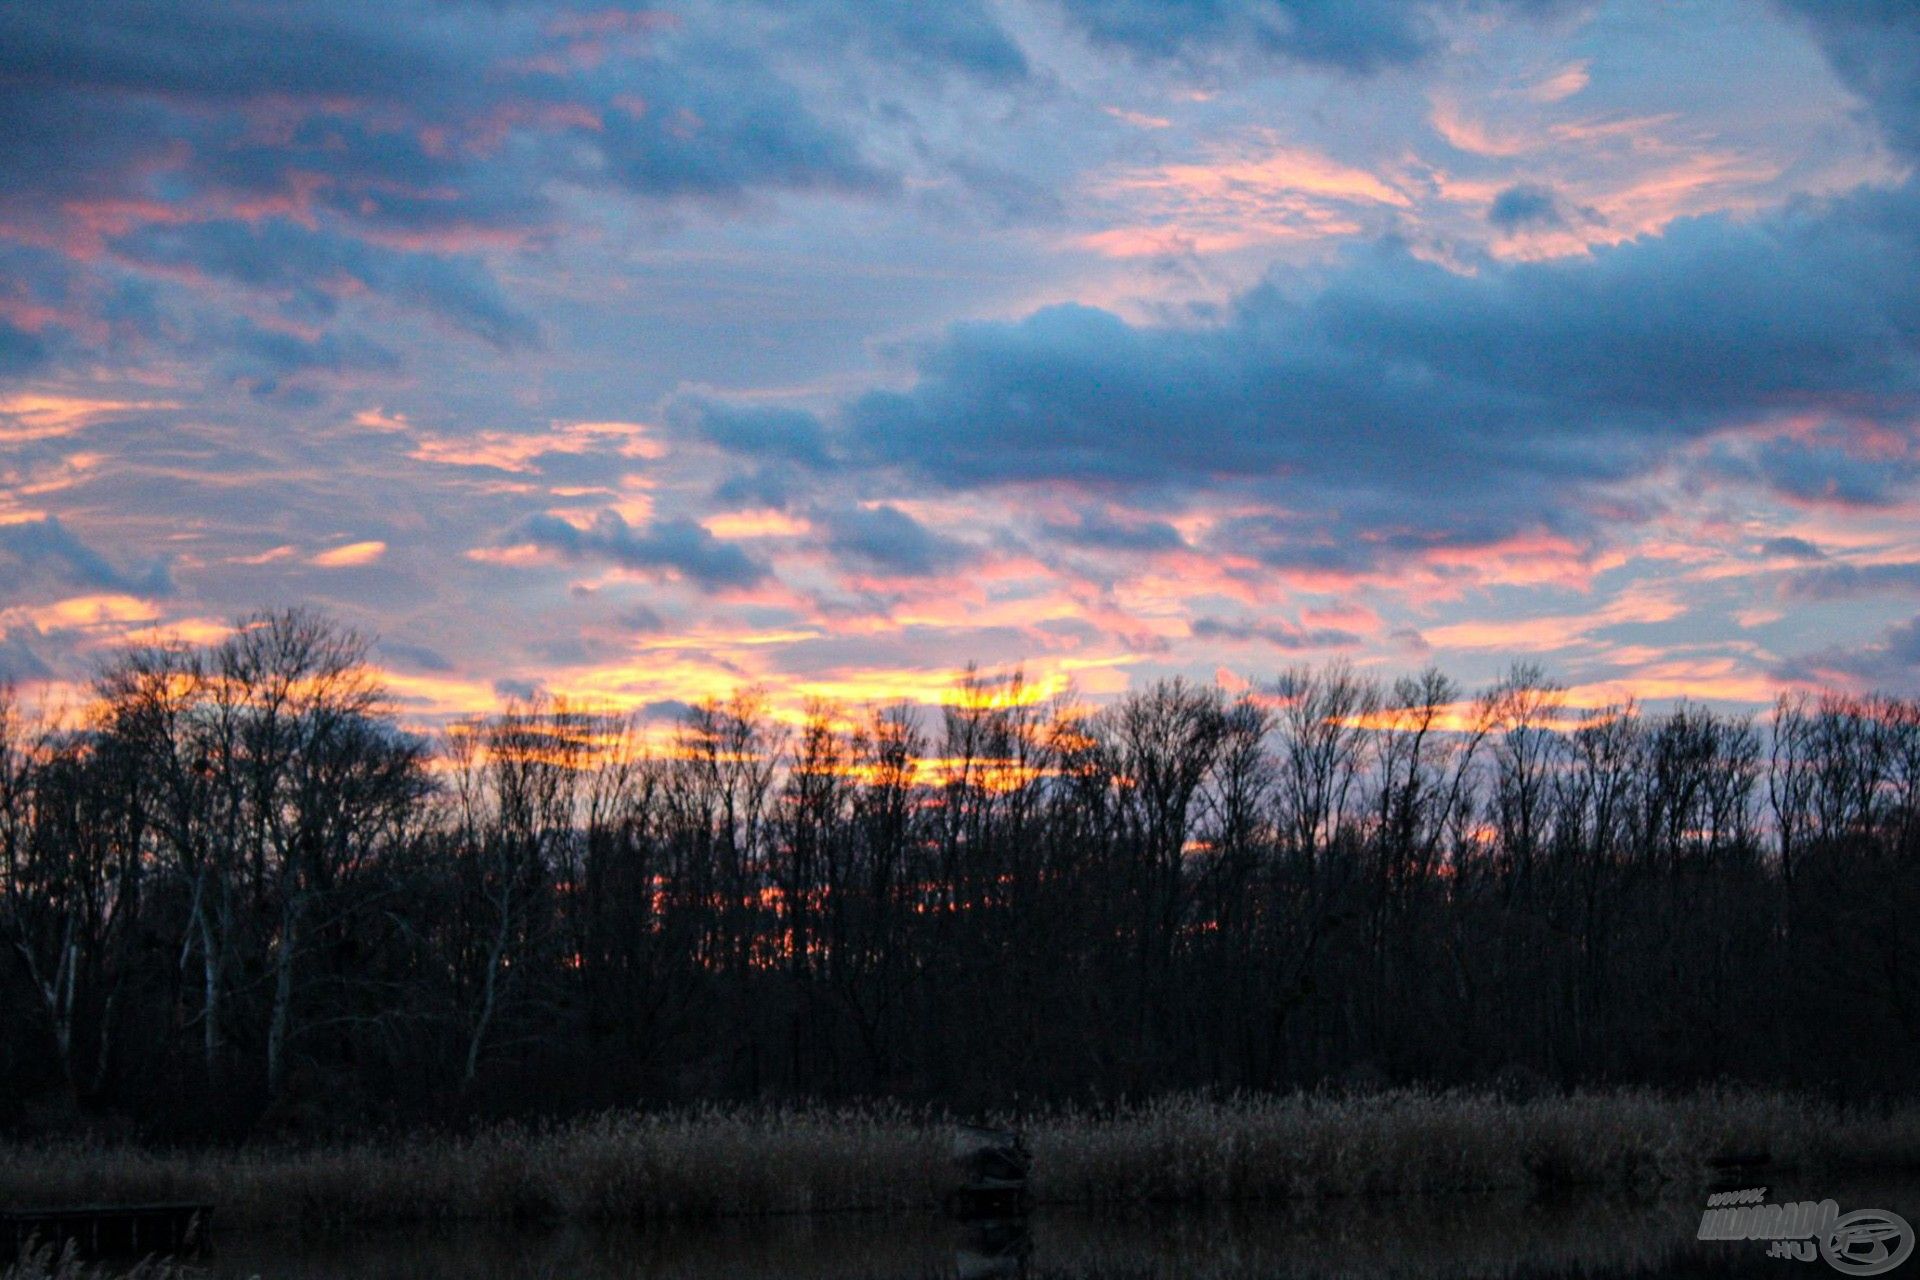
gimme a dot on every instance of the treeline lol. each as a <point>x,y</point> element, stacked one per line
<point>239,896</point>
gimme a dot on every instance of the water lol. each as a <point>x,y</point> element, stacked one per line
<point>1427,1239</point>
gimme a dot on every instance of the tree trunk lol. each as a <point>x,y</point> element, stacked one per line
<point>280,1025</point>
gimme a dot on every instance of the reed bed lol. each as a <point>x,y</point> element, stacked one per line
<point>41,1262</point>
<point>1186,1149</point>
<point>1193,1150</point>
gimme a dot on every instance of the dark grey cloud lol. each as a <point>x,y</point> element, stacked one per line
<point>678,545</point>
<point>1830,473</point>
<point>775,485</point>
<point>19,663</point>
<point>1874,45</point>
<point>1411,638</point>
<point>1421,407</point>
<point>513,690</point>
<point>362,94</point>
<point>1901,645</point>
<point>39,282</point>
<point>1890,662</point>
<point>45,552</point>
<point>1846,581</point>
<point>1404,407</point>
<point>640,618</point>
<point>666,711</point>
<point>282,363</point>
<point>1525,205</point>
<point>1358,36</point>
<point>1354,35</point>
<point>1099,531</point>
<point>758,431</point>
<point>415,657</point>
<point>715,121</point>
<point>1531,206</point>
<point>317,269</point>
<point>1797,548</point>
<point>958,35</point>
<point>221,48</point>
<point>305,150</point>
<point>1277,632</point>
<point>888,539</point>
<point>20,351</point>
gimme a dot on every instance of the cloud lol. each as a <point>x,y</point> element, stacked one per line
<point>1845,581</point>
<point>217,166</point>
<point>20,351</point>
<point>272,362</point>
<point>888,539</point>
<point>416,657</point>
<point>755,431</point>
<point>768,202</point>
<point>47,552</point>
<point>509,689</point>
<point>1403,405</point>
<point>1277,632</point>
<point>1352,35</point>
<point>1355,36</point>
<point>1527,206</point>
<point>385,103</point>
<point>639,618</point>
<point>1099,531</point>
<point>715,122</point>
<point>315,270</point>
<point>1874,45</point>
<point>961,35</point>
<point>352,555</point>
<point>1793,548</point>
<point>19,664</point>
<point>677,545</point>
<point>1831,473</point>
<point>1901,645</point>
<point>1891,661</point>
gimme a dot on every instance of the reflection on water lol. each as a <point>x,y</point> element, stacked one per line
<point>1422,1239</point>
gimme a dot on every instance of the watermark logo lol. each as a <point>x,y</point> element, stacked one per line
<point>1866,1242</point>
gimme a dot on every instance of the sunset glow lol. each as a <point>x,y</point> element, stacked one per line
<point>639,357</point>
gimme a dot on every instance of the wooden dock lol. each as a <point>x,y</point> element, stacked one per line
<point>993,1165</point>
<point>109,1230</point>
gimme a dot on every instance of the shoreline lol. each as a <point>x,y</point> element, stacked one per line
<point>1180,1150</point>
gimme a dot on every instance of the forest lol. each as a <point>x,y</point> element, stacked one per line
<point>238,897</point>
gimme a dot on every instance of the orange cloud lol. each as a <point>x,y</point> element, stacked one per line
<point>353,554</point>
<point>1464,133</point>
<point>1641,604</point>
<point>203,631</point>
<point>1706,679</point>
<point>516,452</point>
<point>42,416</point>
<point>83,613</point>
<point>1261,192</point>
<point>755,524</point>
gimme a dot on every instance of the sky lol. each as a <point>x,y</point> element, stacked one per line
<point>638,355</point>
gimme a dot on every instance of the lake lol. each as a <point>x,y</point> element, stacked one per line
<point>1596,1238</point>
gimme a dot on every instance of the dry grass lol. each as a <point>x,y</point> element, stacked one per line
<point>688,1164</point>
<point>1191,1150</point>
<point>712,1163</point>
<point>39,1262</point>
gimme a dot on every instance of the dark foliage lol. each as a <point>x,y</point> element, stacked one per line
<point>239,898</point>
